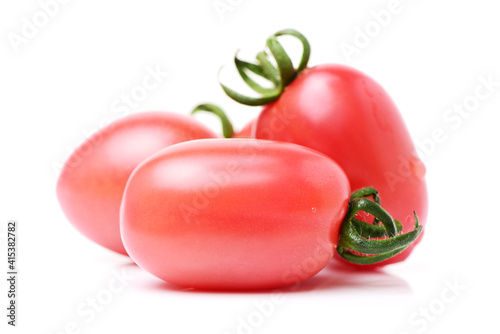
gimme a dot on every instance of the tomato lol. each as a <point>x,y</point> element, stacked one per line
<point>346,115</point>
<point>91,183</point>
<point>349,117</point>
<point>234,213</point>
<point>246,132</point>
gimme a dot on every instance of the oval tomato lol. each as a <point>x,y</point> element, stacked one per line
<point>348,116</point>
<point>91,183</point>
<point>344,114</point>
<point>234,213</point>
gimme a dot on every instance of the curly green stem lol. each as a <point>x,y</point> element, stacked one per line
<point>355,241</point>
<point>280,76</point>
<point>227,127</point>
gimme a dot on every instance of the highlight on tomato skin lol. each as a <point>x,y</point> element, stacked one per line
<point>234,214</point>
<point>344,114</point>
<point>92,181</point>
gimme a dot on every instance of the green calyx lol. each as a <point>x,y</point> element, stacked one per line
<point>227,127</point>
<point>355,240</point>
<point>278,76</point>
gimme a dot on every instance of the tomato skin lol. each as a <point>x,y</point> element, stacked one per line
<point>346,115</point>
<point>92,181</point>
<point>234,214</point>
<point>246,132</point>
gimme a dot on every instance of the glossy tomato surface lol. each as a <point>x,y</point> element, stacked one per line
<point>234,213</point>
<point>346,115</point>
<point>91,183</point>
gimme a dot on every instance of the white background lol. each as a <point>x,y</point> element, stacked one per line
<point>62,83</point>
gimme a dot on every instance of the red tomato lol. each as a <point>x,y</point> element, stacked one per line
<point>346,115</point>
<point>91,184</point>
<point>246,132</point>
<point>234,213</point>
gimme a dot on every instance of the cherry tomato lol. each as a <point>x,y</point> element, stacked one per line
<point>346,115</point>
<point>234,213</point>
<point>91,184</point>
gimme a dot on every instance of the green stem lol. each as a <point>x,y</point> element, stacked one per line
<point>285,65</point>
<point>280,76</point>
<point>368,206</point>
<point>367,192</point>
<point>243,67</point>
<point>227,127</point>
<point>306,53</point>
<point>355,235</point>
<point>268,68</point>
<point>374,230</point>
